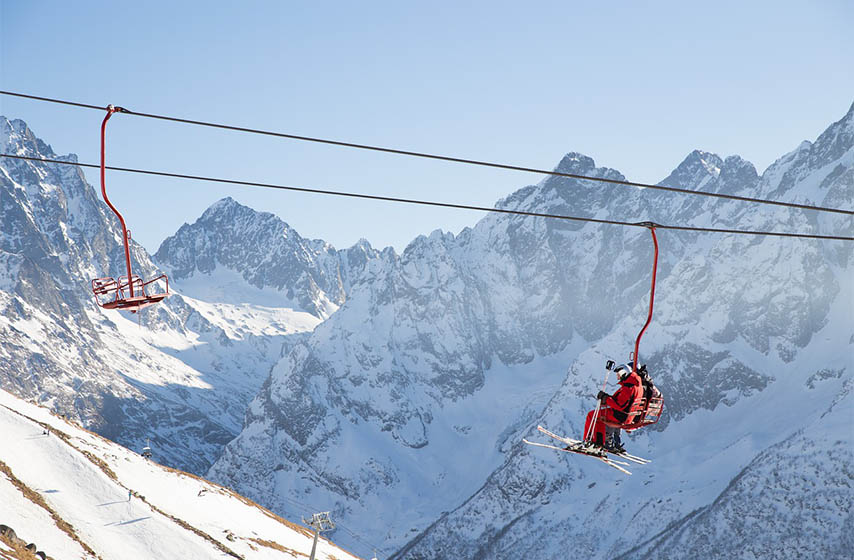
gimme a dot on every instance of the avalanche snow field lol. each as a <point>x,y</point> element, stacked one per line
<point>78,496</point>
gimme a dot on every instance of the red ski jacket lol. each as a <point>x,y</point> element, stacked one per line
<point>630,391</point>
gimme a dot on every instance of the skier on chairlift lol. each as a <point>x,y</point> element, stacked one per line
<point>637,403</point>
<point>614,409</point>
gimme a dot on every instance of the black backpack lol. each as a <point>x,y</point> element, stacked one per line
<point>650,391</point>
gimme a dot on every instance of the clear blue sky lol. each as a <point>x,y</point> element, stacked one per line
<point>635,85</point>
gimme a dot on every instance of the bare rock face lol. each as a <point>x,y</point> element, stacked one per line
<point>8,532</point>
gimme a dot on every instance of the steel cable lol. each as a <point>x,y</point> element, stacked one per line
<point>434,203</point>
<point>437,156</point>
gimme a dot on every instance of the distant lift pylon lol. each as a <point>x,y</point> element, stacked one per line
<point>125,292</point>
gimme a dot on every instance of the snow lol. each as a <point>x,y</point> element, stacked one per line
<point>97,506</point>
<point>224,285</point>
<point>32,523</point>
<point>238,319</point>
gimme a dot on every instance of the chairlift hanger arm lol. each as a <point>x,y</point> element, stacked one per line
<point>635,357</point>
<point>125,233</point>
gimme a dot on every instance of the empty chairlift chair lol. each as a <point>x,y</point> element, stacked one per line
<point>127,292</point>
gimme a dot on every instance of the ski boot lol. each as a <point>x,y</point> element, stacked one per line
<point>614,446</point>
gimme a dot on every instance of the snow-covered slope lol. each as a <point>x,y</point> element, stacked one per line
<point>77,495</point>
<point>413,397</point>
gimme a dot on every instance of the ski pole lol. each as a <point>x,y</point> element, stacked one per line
<point>588,437</point>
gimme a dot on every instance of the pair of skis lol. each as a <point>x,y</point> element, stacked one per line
<point>581,448</point>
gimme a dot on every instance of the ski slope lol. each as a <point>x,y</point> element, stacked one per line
<point>117,504</point>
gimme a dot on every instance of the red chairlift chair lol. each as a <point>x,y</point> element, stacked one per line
<point>642,413</point>
<point>127,292</point>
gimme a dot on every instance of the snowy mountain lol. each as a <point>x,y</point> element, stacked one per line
<point>394,389</point>
<point>185,373</point>
<point>75,495</point>
<point>411,400</point>
<point>265,255</point>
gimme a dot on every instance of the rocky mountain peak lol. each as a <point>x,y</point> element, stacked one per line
<point>223,207</point>
<point>217,236</point>
<point>830,155</point>
<point>267,253</point>
<point>737,173</point>
<point>576,163</point>
<point>575,196</point>
<point>836,140</point>
<point>697,169</point>
<point>362,245</point>
<point>18,138</point>
<point>242,220</point>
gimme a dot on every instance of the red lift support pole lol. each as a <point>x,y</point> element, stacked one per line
<point>110,110</point>
<point>635,358</point>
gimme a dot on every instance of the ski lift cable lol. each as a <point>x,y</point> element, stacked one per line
<point>436,203</point>
<point>300,506</point>
<point>425,155</point>
<point>360,539</point>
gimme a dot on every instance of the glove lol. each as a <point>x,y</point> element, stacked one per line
<point>602,396</point>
